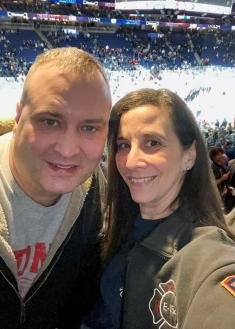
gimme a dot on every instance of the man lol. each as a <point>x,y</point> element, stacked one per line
<point>49,196</point>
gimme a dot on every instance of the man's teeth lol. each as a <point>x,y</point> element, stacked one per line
<point>141,180</point>
<point>64,166</point>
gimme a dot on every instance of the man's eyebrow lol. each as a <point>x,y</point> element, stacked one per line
<point>58,114</point>
<point>95,120</point>
<point>48,112</point>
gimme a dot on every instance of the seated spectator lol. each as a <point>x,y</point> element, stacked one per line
<point>223,176</point>
<point>230,150</point>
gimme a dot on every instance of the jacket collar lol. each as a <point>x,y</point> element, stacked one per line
<point>170,236</point>
<point>76,203</point>
<point>71,216</point>
<point>6,251</point>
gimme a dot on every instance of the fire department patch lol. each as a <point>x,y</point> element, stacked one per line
<point>229,284</point>
<point>162,306</point>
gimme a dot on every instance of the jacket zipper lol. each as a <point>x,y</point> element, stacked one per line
<point>22,305</point>
<point>52,267</point>
<point>44,280</point>
<point>162,256</point>
<point>23,302</point>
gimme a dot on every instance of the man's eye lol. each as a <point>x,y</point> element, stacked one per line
<point>51,122</point>
<point>90,129</point>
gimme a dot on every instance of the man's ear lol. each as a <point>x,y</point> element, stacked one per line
<point>18,111</point>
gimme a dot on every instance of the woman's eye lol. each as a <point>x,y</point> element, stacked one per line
<point>51,122</point>
<point>152,143</point>
<point>122,146</point>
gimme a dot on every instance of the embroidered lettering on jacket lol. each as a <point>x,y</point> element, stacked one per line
<point>162,306</point>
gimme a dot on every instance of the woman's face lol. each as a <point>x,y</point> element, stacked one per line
<point>150,159</point>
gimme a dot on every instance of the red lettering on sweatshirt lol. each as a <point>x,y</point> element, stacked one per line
<point>23,257</point>
<point>39,256</point>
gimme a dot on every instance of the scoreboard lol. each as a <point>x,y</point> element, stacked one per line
<point>208,6</point>
<point>67,1</point>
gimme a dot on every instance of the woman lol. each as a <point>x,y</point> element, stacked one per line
<point>169,262</point>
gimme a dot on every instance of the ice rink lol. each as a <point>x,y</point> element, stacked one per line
<point>215,90</point>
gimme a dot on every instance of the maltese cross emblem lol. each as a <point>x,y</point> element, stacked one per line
<point>162,306</point>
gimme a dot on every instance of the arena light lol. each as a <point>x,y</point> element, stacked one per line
<point>211,6</point>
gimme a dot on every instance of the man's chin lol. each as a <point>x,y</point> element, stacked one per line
<point>62,186</point>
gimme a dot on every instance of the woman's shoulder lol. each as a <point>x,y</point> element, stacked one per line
<point>207,264</point>
<point>208,236</point>
<point>209,249</point>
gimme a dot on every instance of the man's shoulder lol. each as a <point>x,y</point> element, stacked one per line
<point>4,146</point>
<point>6,125</point>
<point>5,137</point>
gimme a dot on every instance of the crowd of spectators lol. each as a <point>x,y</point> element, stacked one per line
<point>12,62</point>
<point>220,139</point>
<point>166,48</point>
<point>219,134</point>
<point>125,48</point>
<point>136,47</point>
<point>219,45</point>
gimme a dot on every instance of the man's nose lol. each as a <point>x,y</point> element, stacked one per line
<point>68,144</point>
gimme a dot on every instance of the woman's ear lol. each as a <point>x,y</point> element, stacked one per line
<point>190,157</point>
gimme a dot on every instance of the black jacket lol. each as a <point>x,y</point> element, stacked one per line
<point>68,286</point>
<point>180,277</point>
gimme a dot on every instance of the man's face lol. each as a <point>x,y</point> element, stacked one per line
<point>61,133</point>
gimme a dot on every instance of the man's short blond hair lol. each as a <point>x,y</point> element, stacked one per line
<point>66,60</point>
